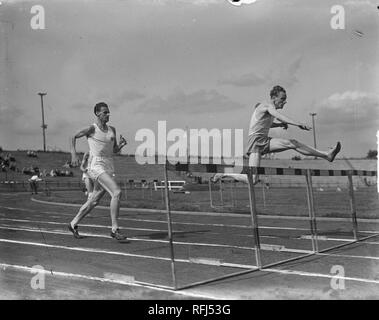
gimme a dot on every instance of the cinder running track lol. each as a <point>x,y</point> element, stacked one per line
<point>206,246</point>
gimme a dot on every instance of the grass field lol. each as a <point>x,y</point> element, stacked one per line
<point>127,169</point>
<point>274,201</point>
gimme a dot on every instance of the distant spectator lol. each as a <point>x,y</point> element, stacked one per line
<point>32,154</point>
<point>67,165</point>
<point>34,183</point>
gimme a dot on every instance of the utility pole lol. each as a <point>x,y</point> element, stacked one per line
<point>44,126</point>
<point>314,130</point>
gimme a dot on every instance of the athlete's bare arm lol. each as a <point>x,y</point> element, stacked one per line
<point>284,119</point>
<point>83,166</point>
<point>279,125</point>
<point>86,132</point>
<point>118,146</point>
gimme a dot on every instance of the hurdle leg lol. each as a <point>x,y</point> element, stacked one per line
<point>169,225</point>
<point>254,218</point>
<point>311,209</point>
<point>353,206</point>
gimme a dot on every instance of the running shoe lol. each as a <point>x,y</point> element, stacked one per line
<point>118,235</point>
<point>74,231</point>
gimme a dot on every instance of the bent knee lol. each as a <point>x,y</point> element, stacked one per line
<point>93,203</point>
<point>116,194</point>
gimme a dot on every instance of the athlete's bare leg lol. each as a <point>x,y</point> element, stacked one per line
<point>279,145</point>
<point>91,203</point>
<point>255,161</point>
<point>89,186</point>
<point>110,185</point>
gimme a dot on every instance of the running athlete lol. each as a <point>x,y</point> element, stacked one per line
<point>102,144</point>
<point>262,120</point>
<point>85,177</point>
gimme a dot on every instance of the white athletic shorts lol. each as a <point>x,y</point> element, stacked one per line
<point>258,143</point>
<point>99,165</point>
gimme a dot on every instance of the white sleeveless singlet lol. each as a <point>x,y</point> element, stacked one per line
<point>260,122</point>
<point>101,152</point>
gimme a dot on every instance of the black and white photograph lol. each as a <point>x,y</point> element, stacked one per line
<point>201,150</point>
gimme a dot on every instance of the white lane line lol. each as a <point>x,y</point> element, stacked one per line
<point>319,275</point>
<point>130,228</point>
<point>186,293</point>
<point>83,225</point>
<point>284,249</point>
<point>263,246</point>
<point>92,250</point>
<point>7,227</point>
<point>325,238</point>
<point>183,223</point>
<point>346,256</point>
<point>191,223</point>
<point>204,224</point>
<point>266,247</point>
<point>215,214</point>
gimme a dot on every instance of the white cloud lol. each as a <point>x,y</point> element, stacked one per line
<point>350,108</point>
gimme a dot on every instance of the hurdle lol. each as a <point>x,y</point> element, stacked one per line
<point>250,171</point>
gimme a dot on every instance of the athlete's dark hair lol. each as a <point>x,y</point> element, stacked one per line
<point>98,106</point>
<point>275,91</point>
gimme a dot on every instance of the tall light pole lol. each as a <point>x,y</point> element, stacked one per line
<point>314,129</point>
<point>44,126</point>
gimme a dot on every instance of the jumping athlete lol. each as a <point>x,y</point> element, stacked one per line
<point>262,120</point>
<point>102,144</point>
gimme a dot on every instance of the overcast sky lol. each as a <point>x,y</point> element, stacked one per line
<point>195,63</point>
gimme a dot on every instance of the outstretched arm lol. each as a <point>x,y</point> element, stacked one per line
<point>279,125</point>
<point>82,133</point>
<point>286,120</point>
